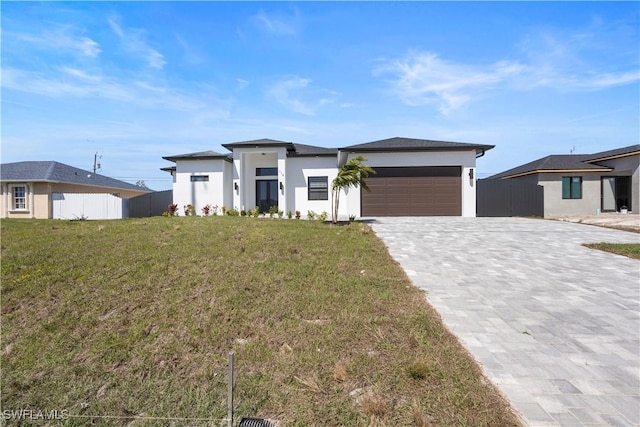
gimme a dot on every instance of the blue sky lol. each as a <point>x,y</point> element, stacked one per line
<point>138,81</point>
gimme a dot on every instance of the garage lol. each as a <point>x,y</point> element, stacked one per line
<point>413,191</point>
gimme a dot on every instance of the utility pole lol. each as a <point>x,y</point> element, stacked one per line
<point>96,162</point>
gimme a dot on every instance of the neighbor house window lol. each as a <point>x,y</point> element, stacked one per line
<point>318,188</point>
<point>199,178</point>
<point>572,187</point>
<point>266,171</point>
<point>20,197</point>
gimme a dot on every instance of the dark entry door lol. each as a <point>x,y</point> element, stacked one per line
<point>616,193</point>
<point>266,194</point>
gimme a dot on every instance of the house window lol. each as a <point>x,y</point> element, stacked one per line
<point>572,187</point>
<point>318,188</point>
<point>199,178</point>
<point>266,171</point>
<point>20,198</point>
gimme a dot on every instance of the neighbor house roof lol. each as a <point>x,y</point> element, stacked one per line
<point>570,163</point>
<point>632,150</point>
<point>411,144</point>
<point>201,155</point>
<point>50,171</point>
<point>554,163</point>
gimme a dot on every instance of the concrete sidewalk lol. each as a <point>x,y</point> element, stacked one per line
<point>555,325</point>
<point>630,221</point>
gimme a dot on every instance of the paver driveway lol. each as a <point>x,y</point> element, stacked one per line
<point>555,325</point>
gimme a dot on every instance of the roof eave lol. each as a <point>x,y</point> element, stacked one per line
<point>176,158</point>
<point>313,154</point>
<point>50,181</point>
<point>235,145</point>
<point>618,156</point>
<point>533,172</point>
<point>477,149</point>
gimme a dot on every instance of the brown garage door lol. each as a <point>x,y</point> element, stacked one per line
<point>413,191</point>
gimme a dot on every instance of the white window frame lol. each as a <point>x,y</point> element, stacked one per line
<point>25,197</point>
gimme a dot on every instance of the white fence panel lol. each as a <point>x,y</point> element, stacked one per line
<point>88,206</point>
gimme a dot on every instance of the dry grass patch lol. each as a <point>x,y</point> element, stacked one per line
<point>136,317</point>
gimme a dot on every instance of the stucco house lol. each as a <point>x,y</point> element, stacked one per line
<point>413,177</point>
<point>49,189</point>
<point>584,184</point>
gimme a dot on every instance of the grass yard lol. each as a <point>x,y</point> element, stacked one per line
<point>631,250</point>
<point>135,318</point>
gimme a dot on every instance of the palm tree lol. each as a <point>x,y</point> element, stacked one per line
<point>351,174</point>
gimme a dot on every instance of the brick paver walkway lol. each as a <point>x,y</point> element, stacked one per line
<point>555,325</point>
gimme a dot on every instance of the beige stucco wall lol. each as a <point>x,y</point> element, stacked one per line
<point>37,200</point>
<point>39,197</point>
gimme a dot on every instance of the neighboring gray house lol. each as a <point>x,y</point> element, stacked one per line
<point>579,184</point>
<point>48,189</point>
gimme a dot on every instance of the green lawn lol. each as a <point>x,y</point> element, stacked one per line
<point>631,250</point>
<point>135,318</point>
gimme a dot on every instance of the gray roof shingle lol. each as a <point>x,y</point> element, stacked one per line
<point>578,162</point>
<point>51,171</point>
<point>302,150</point>
<point>294,149</point>
<point>199,155</point>
<point>412,144</point>
<point>257,143</point>
<point>312,150</point>
<point>635,149</point>
<point>551,163</point>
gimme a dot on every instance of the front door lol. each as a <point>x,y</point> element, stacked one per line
<point>266,194</point>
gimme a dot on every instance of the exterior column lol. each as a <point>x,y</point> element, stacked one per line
<point>32,200</point>
<point>282,180</point>
<point>237,181</point>
<point>7,200</point>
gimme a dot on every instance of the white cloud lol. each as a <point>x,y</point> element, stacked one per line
<point>424,78</point>
<point>278,25</point>
<point>295,94</point>
<point>617,79</point>
<point>133,42</point>
<point>73,82</point>
<point>62,38</point>
<point>241,83</point>
<point>75,72</point>
<point>88,47</point>
<point>579,60</point>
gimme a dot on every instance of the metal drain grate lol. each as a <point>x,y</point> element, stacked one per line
<point>255,422</point>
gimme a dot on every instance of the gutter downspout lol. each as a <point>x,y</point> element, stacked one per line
<point>481,154</point>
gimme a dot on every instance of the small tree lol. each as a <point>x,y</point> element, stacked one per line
<point>351,174</point>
